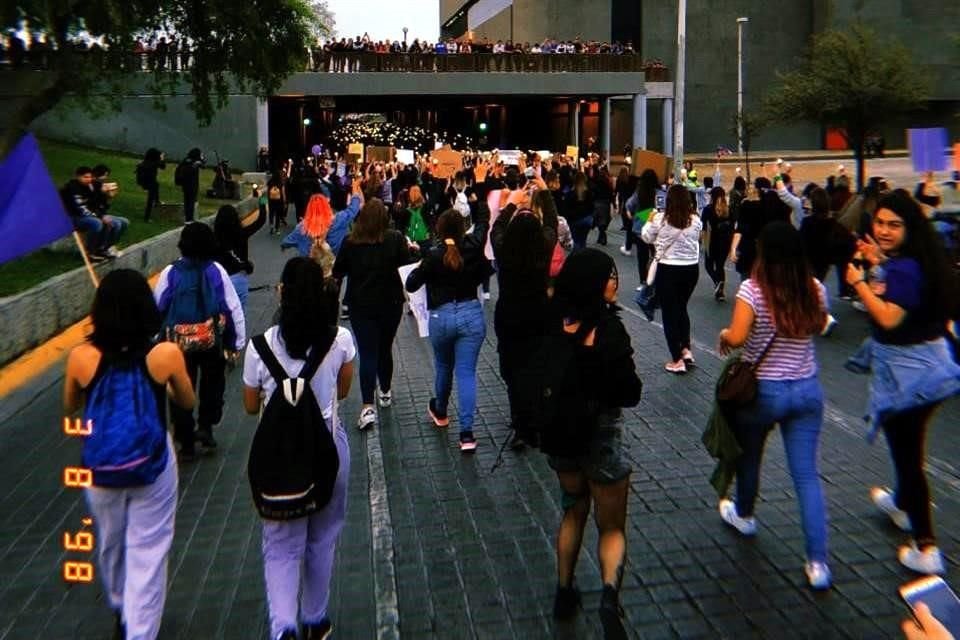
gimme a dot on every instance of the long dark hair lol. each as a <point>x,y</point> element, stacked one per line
<point>124,315</point>
<point>580,285</point>
<point>783,274</point>
<point>524,251</point>
<point>197,242</point>
<point>450,231</point>
<point>647,189</point>
<point>679,207</point>
<point>544,202</point>
<point>308,306</point>
<point>227,227</point>
<point>371,224</point>
<point>923,245</point>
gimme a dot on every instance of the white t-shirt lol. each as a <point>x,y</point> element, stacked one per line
<point>324,383</point>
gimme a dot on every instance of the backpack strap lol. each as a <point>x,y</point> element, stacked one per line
<point>310,367</point>
<point>317,355</point>
<point>277,372</point>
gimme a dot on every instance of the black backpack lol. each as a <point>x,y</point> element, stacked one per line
<point>141,175</point>
<point>293,462</point>
<point>180,174</point>
<point>556,410</point>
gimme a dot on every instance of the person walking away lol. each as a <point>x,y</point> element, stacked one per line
<point>452,271</point>
<point>639,207</point>
<point>717,236</point>
<point>758,209</point>
<point>602,189</point>
<point>411,222</point>
<point>277,201</point>
<point>675,234</point>
<point>233,252</point>
<point>778,311</point>
<point>369,259</point>
<point>202,314</point>
<point>523,261</point>
<point>298,554</point>
<point>146,174</point>
<point>187,177</point>
<point>624,188</point>
<point>909,294</point>
<point>579,210</point>
<point>825,242</point>
<point>122,380</point>
<point>584,311</point>
<point>321,232</point>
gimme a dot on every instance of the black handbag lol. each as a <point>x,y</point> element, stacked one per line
<point>737,386</point>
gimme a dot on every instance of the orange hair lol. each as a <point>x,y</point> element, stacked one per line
<point>318,217</point>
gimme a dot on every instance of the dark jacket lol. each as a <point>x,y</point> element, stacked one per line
<point>721,442</point>
<point>574,209</point>
<point>445,285</point>
<point>522,302</point>
<point>190,175</point>
<point>371,271</point>
<point>78,200</point>
<point>610,366</point>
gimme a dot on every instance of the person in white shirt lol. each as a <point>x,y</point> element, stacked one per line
<point>307,545</point>
<point>675,233</point>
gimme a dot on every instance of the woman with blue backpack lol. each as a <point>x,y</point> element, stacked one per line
<point>305,343</point>
<point>122,378</point>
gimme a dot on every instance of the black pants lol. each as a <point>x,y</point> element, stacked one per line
<point>153,198</point>
<point>906,436</point>
<point>210,367</point>
<point>189,203</point>
<point>675,285</point>
<point>714,264</point>
<point>278,213</point>
<point>375,329</point>
<point>643,256</point>
<point>514,352</point>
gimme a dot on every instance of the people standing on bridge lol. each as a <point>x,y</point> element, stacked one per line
<point>202,313</point>
<point>134,523</point>
<point>146,175</point>
<point>717,236</point>
<point>233,252</point>
<point>675,234</point>
<point>369,259</point>
<point>910,295</point>
<point>187,177</point>
<point>523,261</point>
<point>298,554</point>
<point>778,311</point>
<point>584,309</point>
<point>452,271</point>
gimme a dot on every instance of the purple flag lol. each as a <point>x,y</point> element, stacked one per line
<point>927,147</point>
<point>31,213</point>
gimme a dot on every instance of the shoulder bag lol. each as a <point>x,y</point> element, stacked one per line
<point>737,386</point>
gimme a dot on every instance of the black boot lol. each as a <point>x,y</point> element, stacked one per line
<point>566,602</point>
<point>319,631</point>
<point>611,614</point>
<point>119,630</point>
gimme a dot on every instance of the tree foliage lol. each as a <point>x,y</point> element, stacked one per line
<point>325,24</point>
<point>248,46</point>
<point>852,79</point>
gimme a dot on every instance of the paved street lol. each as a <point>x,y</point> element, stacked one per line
<point>435,546</point>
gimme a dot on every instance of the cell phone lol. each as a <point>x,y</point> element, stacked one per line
<point>938,596</point>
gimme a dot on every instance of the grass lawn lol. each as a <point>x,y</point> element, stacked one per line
<point>62,159</point>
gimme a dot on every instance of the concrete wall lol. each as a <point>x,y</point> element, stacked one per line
<point>496,28</point>
<point>138,126</point>
<point>63,300</point>
<point>534,20</point>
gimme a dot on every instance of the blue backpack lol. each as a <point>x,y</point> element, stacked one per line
<point>193,319</point>
<point>127,446</point>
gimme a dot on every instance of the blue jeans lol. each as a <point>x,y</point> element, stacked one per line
<point>94,232</point>
<point>116,229</point>
<point>457,330</point>
<point>798,406</point>
<point>579,230</point>
<point>241,282</point>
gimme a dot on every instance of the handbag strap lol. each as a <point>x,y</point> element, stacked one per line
<point>763,354</point>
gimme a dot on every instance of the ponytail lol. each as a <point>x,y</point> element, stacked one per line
<point>451,255</point>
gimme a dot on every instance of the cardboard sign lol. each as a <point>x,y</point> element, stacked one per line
<point>643,159</point>
<point>406,156</point>
<point>927,147</point>
<point>355,149</point>
<point>380,154</point>
<point>446,162</point>
<point>573,152</point>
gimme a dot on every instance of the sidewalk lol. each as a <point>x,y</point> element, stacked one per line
<point>437,547</point>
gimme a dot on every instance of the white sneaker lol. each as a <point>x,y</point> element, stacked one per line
<point>385,398</point>
<point>818,575</point>
<point>830,325</point>
<point>728,511</point>
<point>486,295</point>
<point>883,498</point>
<point>859,306</point>
<point>624,250</point>
<point>368,418</point>
<point>113,252</point>
<point>929,561</point>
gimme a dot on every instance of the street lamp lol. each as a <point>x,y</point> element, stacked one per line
<point>404,35</point>
<point>740,23</point>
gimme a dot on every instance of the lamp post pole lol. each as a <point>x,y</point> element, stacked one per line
<point>740,23</point>
<point>404,35</point>
<point>679,88</point>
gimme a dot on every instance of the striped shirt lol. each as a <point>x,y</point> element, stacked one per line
<point>788,358</point>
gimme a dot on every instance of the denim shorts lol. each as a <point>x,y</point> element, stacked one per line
<point>604,462</point>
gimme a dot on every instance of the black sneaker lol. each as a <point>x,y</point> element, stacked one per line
<point>320,631</point>
<point>611,615</point>
<point>119,629</point>
<point>468,444</point>
<point>287,634</point>
<point>566,603</point>
<point>205,438</point>
<point>186,453</point>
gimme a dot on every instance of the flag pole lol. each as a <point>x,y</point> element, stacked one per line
<point>86,260</point>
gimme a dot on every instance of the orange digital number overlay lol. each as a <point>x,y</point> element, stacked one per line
<point>77,427</point>
<point>77,571</point>
<point>80,541</point>
<point>77,477</point>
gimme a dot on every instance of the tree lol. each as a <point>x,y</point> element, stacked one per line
<point>325,25</point>
<point>248,46</point>
<point>854,80</point>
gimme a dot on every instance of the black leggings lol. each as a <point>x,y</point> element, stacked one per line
<point>906,436</point>
<point>675,285</point>
<point>153,198</point>
<point>375,329</point>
